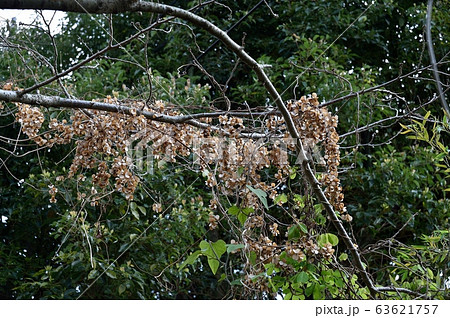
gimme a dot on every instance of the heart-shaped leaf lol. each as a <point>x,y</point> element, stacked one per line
<point>234,247</point>
<point>261,195</point>
<point>328,238</point>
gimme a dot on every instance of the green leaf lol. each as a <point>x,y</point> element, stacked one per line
<point>241,215</point>
<point>269,268</point>
<point>220,247</point>
<point>242,218</point>
<point>293,173</point>
<point>442,148</point>
<point>343,257</point>
<point>309,289</point>
<point>328,238</point>
<point>252,257</point>
<point>111,274</point>
<point>93,274</point>
<point>425,135</point>
<point>142,209</point>
<point>190,259</point>
<point>362,19</point>
<point>213,251</point>
<point>427,115</point>
<point>317,293</point>
<point>123,247</point>
<point>134,211</point>
<point>206,249</point>
<point>213,264</point>
<point>122,288</point>
<point>299,200</point>
<point>248,211</point>
<point>280,198</point>
<point>302,277</point>
<point>339,282</point>
<point>443,152</point>
<point>222,277</point>
<point>293,232</point>
<point>261,195</point>
<point>233,210</point>
<point>318,208</point>
<point>234,247</point>
<point>303,228</point>
<point>297,231</point>
<point>416,138</point>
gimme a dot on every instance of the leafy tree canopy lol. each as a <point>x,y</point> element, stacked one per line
<point>143,155</point>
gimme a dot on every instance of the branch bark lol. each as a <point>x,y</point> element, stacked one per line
<point>82,6</point>
<point>433,60</point>
<point>59,102</point>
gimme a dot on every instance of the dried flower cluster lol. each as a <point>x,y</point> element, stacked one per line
<point>239,162</point>
<point>213,221</point>
<point>31,119</point>
<point>229,163</point>
<point>52,190</point>
<point>316,125</point>
<point>103,140</point>
<point>268,251</point>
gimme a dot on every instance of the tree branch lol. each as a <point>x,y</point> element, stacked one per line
<point>91,58</point>
<point>374,88</point>
<point>227,31</point>
<point>59,102</point>
<point>395,118</point>
<point>82,6</point>
<point>433,59</point>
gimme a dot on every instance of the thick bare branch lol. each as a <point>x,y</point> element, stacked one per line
<point>59,102</point>
<point>433,59</point>
<point>84,6</point>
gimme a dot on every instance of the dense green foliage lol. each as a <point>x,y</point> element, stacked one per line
<point>396,185</point>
